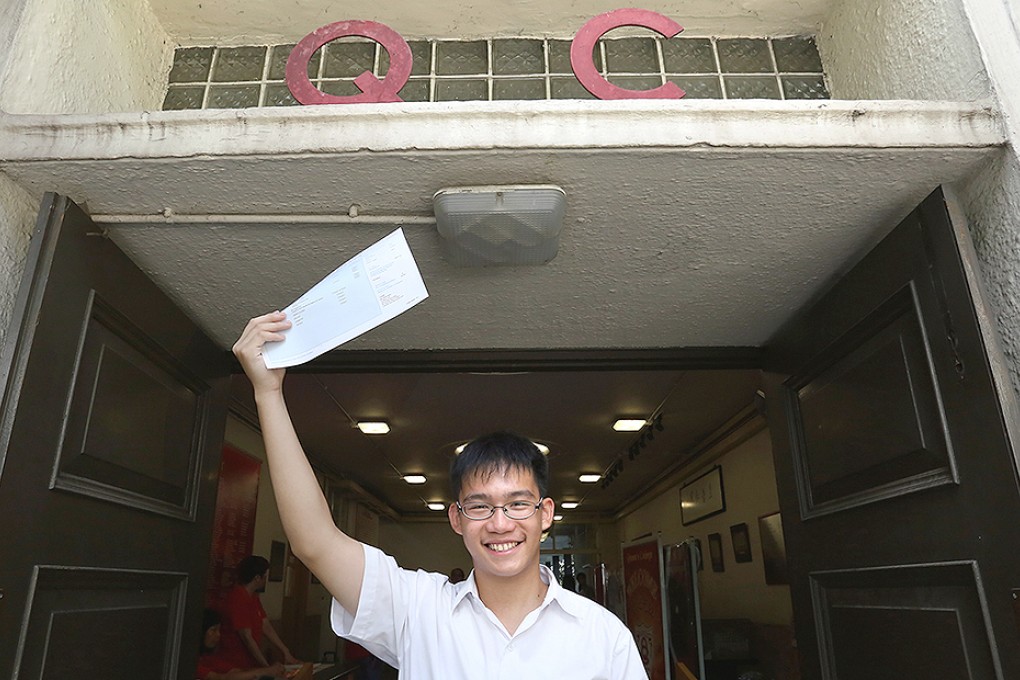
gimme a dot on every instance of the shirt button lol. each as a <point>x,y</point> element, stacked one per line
<point>510,647</point>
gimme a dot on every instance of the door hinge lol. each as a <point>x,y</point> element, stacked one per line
<point>943,301</point>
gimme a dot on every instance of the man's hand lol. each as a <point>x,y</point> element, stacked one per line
<point>248,350</point>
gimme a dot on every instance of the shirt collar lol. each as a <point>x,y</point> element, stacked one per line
<point>558,594</point>
<point>555,593</point>
<point>462,589</point>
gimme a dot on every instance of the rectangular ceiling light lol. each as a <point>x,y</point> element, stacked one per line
<point>569,505</point>
<point>499,225</point>
<point>629,424</point>
<point>437,506</point>
<point>415,479</point>
<point>589,479</point>
<point>373,426</point>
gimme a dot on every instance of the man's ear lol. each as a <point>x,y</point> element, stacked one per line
<point>548,510</point>
<point>455,518</point>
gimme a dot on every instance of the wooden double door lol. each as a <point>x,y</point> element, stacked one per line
<point>898,484</point>
<point>111,426</point>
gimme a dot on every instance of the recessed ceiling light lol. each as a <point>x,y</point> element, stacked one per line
<point>373,426</point>
<point>557,518</point>
<point>543,448</point>
<point>629,424</point>
<point>436,506</point>
<point>569,505</point>
<point>589,479</point>
<point>415,479</point>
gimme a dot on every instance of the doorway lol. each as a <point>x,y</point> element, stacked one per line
<point>979,579</point>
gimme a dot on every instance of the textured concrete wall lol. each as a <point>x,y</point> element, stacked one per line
<point>17,217</point>
<point>992,204</point>
<point>901,49</point>
<point>86,56</point>
<point>202,22</point>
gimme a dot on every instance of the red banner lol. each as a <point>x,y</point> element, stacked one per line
<point>233,521</point>
<point>642,578</point>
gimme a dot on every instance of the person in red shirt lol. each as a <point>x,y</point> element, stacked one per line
<point>244,620</point>
<point>211,666</point>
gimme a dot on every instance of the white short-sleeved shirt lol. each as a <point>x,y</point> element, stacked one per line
<point>432,629</point>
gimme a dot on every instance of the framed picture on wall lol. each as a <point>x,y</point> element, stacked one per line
<point>715,552</point>
<point>741,542</point>
<point>773,549</point>
<point>702,497</point>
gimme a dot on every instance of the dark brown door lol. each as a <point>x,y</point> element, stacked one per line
<point>897,482</point>
<point>111,423</point>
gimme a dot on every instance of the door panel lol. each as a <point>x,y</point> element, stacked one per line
<point>112,423</point>
<point>889,438</point>
<point>896,478</point>
<point>898,623</point>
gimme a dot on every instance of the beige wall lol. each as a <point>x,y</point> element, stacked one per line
<point>992,204</point>
<point>17,218</point>
<point>86,56</point>
<point>901,49</point>
<point>750,489</point>
<point>432,546</point>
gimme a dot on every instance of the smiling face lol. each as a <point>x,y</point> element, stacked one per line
<point>500,547</point>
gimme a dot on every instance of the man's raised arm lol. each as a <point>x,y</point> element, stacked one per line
<point>335,558</point>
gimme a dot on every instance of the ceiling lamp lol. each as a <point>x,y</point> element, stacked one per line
<point>629,424</point>
<point>500,225</point>
<point>557,518</point>
<point>414,479</point>
<point>538,445</point>
<point>436,506</point>
<point>373,426</point>
<point>569,505</point>
<point>589,478</point>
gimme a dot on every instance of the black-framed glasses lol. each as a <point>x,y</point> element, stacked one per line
<point>514,510</point>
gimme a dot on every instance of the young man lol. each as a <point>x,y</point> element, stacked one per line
<point>244,620</point>
<point>508,619</point>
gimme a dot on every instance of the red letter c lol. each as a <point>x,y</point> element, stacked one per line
<point>586,38</point>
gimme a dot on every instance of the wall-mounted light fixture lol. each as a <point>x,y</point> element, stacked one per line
<point>500,225</point>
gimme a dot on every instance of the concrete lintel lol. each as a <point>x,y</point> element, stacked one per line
<point>502,125</point>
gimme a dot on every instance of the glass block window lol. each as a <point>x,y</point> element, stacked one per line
<point>504,69</point>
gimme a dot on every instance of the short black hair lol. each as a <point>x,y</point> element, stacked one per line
<point>499,452</point>
<point>251,567</point>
